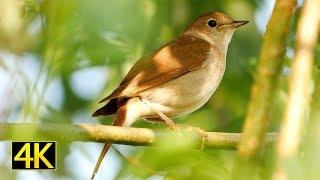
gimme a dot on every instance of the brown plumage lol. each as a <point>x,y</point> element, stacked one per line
<point>176,79</point>
<point>164,64</point>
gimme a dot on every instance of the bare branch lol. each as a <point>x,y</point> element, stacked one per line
<point>116,135</point>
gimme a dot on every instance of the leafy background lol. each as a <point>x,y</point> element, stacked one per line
<point>58,58</point>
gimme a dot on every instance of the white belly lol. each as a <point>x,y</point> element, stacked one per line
<point>188,92</point>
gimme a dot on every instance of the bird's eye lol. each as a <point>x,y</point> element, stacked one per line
<point>212,23</point>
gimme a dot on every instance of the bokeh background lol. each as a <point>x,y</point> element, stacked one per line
<point>58,58</point>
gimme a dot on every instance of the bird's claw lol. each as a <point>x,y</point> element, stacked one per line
<point>200,132</point>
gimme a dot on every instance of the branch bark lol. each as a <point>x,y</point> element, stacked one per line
<point>264,87</point>
<point>116,135</point>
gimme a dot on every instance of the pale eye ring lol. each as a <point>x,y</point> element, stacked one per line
<point>212,23</point>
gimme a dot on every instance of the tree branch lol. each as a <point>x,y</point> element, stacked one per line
<point>116,135</point>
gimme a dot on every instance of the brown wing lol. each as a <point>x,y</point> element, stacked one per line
<point>185,54</point>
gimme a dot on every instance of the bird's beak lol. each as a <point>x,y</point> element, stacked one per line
<point>237,24</point>
<point>234,24</point>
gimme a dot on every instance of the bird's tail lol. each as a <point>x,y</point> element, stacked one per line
<point>118,121</point>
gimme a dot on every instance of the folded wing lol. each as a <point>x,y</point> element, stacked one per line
<point>183,55</point>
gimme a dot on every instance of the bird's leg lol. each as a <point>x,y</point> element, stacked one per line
<point>201,133</point>
<point>167,120</point>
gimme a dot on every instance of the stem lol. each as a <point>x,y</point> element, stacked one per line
<point>312,140</point>
<point>116,135</point>
<point>299,85</point>
<point>264,87</point>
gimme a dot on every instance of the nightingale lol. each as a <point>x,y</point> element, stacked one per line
<point>174,80</point>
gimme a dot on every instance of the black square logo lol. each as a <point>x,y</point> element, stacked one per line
<point>33,155</point>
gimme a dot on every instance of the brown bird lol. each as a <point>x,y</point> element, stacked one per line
<point>174,80</point>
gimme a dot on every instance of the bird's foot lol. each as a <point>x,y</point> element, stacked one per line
<point>200,132</point>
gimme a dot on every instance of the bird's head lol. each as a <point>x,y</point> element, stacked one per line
<point>215,27</point>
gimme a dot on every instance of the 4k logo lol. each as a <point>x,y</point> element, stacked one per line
<point>33,155</point>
